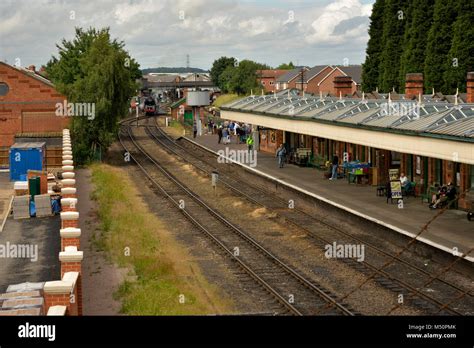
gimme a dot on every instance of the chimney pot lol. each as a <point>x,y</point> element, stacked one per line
<point>32,68</point>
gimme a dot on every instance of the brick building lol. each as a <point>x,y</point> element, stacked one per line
<point>267,78</point>
<point>320,79</point>
<point>27,104</point>
<point>290,78</point>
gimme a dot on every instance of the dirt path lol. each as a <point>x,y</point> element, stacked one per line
<point>100,277</point>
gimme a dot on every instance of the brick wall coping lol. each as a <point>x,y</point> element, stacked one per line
<point>58,287</point>
<point>69,175</point>
<point>70,232</point>
<point>68,182</point>
<point>76,256</point>
<point>69,215</point>
<point>68,168</point>
<point>68,201</point>
<point>68,190</point>
<point>71,277</point>
<point>57,311</point>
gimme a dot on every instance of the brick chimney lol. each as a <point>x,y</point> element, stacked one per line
<point>413,85</point>
<point>470,87</point>
<point>342,85</point>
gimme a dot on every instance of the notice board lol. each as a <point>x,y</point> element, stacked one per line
<point>395,184</point>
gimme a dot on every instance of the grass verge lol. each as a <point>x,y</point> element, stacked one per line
<point>224,99</point>
<point>166,281</point>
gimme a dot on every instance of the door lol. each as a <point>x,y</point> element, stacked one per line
<point>188,117</point>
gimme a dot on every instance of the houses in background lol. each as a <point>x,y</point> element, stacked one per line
<point>268,78</point>
<point>316,80</point>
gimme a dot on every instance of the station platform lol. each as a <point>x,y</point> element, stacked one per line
<point>448,231</point>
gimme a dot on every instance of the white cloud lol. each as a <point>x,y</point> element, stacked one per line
<point>332,15</point>
<point>154,33</point>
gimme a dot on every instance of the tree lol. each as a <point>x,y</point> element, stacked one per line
<point>370,69</point>
<point>284,66</point>
<point>394,20</point>
<point>439,43</point>
<point>244,78</point>
<point>225,79</point>
<point>96,70</point>
<point>460,58</point>
<point>420,16</point>
<point>218,68</point>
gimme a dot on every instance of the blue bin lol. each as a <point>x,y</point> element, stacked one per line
<point>24,157</point>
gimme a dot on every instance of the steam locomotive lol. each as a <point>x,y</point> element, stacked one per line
<point>150,106</point>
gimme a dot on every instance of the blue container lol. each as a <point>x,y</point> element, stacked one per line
<point>24,157</point>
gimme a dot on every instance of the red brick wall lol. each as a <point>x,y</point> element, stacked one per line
<point>313,83</point>
<point>327,86</point>
<point>40,97</point>
<point>268,87</point>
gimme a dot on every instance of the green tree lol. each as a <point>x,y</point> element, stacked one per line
<point>394,21</point>
<point>285,66</point>
<point>244,78</point>
<point>218,68</point>
<point>439,42</point>
<point>225,78</point>
<point>97,70</point>
<point>370,68</point>
<point>460,58</point>
<point>419,20</point>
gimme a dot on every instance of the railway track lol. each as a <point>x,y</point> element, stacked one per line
<point>295,294</point>
<point>385,268</point>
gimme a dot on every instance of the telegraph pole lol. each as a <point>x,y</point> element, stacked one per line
<point>302,80</point>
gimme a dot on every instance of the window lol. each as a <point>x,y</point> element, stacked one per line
<point>395,156</point>
<point>3,89</point>
<point>263,83</point>
<point>272,83</point>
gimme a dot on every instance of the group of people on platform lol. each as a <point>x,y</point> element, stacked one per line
<point>444,195</point>
<point>226,131</point>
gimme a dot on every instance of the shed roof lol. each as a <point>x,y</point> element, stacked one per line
<point>28,145</point>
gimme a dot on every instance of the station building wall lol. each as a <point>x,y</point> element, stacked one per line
<point>29,106</point>
<point>424,171</point>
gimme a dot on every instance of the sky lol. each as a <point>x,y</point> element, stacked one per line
<point>163,32</point>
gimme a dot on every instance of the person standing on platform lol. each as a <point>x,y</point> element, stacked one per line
<point>250,143</point>
<point>219,134</point>
<point>281,153</point>
<point>236,128</point>
<point>195,130</point>
<point>225,136</point>
<point>335,164</point>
